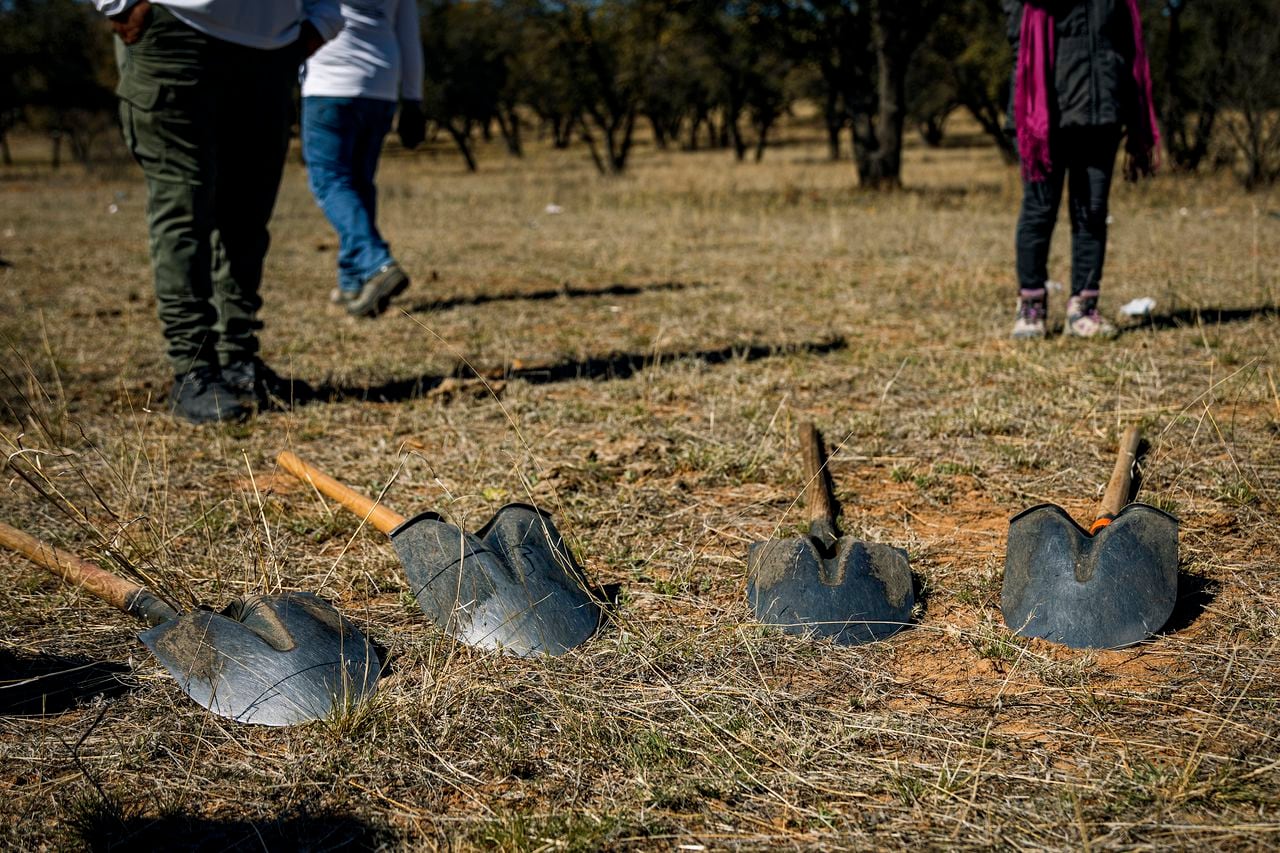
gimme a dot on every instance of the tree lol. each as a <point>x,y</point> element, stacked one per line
<point>466,69</point>
<point>612,48</point>
<point>835,35</point>
<point>538,77</point>
<point>1215,64</point>
<point>1252,56</point>
<point>897,30</point>
<point>965,61</point>
<point>55,66</point>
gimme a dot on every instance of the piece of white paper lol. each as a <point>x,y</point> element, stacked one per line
<point>1139,307</point>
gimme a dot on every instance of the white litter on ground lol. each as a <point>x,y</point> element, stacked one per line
<point>1139,307</point>
<point>553,209</point>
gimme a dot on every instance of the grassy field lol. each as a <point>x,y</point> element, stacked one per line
<point>644,357</point>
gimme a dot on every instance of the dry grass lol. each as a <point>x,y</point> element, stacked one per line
<point>656,344</point>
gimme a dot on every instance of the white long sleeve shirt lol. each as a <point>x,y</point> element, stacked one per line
<point>377,55</point>
<point>263,24</point>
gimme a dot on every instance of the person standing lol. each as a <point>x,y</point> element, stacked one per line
<point>1082,81</point>
<point>350,89</point>
<point>206,107</point>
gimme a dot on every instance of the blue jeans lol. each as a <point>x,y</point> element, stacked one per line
<point>341,142</point>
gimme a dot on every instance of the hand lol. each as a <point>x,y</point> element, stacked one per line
<point>412,127</point>
<point>132,22</point>
<point>309,39</point>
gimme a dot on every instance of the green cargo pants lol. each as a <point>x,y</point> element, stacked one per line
<point>208,121</point>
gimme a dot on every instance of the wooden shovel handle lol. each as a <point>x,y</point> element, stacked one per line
<point>376,514</point>
<point>116,591</point>
<point>1117,494</point>
<point>821,503</point>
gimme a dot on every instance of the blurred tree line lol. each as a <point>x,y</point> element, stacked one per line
<point>57,73</point>
<point>722,74</point>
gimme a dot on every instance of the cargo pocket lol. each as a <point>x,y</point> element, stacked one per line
<point>138,100</point>
<point>143,94</point>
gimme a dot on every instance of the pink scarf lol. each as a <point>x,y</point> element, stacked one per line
<point>1033,100</point>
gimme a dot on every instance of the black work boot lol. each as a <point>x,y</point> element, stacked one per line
<point>256,384</point>
<point>201,397</point>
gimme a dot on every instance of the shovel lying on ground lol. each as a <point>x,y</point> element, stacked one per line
<point>511,586</point>
<point>1112,585</point>
<point>277,660</point>
<point>826,585</point>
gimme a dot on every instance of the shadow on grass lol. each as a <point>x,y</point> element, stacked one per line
<point>566,291</point>
<point>102,827</point>
<point>597,368</point>
<point>1201,316</point>
<point>33,685</point>
<point>1195,594</point>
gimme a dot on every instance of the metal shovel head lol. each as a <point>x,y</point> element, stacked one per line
<point>862,594</point>
<point>513,586</point>
<point>1105,591</point>
<point>277,660</point>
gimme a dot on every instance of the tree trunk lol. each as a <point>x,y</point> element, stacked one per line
<point>462,138</point>
<point>695,125</point>
<point>1187,146</point>
<point>739,144</point>
<point>895,37</point>
<point>562,132</point>
<point>588,138</point>
<point>761,141</point>
<point>659,132</point>
<point>931,130</point>
<point>509,125</point>
<point>834,121</point>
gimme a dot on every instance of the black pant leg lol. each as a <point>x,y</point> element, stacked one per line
<point>1091,159</point>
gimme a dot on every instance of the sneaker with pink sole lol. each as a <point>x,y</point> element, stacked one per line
<point>1033,308</point>
<point>1084,320</point>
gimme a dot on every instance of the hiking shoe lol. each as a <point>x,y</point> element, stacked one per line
<point>253,382</point>
<point>378,291</point>
<point>201,396</point>
<point>1084,321</point>
<point>1033,307</point>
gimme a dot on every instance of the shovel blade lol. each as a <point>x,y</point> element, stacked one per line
<point>862,594</point>
<point>513,586</point>
<point>275,660</point>
<point>1108,590</point>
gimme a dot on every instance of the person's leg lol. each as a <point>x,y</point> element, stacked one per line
<point>328,145</point>
<point>254,113</point>
<point>1091,166</point>
<point>342,139</point>
<point>381,277</point>
<point>1036,220</point>
<point>166,109</point>
<point>375,124</point>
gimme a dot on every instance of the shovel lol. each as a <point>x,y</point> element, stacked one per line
<point>277,660</point>
<point>511,586</point>
<point>825,584</point>
<point>1109,586</point>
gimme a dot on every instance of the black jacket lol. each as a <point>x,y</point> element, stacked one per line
<point>1093,79</point>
